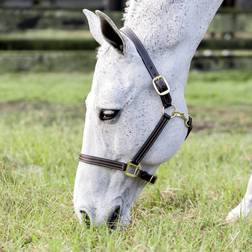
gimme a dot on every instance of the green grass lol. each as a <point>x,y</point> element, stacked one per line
<point>224,88</point>
<point>50,88</point>
<point>40,138</point>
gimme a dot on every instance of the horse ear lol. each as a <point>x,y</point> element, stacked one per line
<point>94,26</point>
<point>110,32</point>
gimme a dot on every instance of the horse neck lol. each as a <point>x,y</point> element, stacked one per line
<point>171,30</point>
<point>164,24</point>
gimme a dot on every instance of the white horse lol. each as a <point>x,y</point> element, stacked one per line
<point>171,31</point>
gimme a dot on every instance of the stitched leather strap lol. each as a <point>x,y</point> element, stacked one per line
<point>151,139</point>
<point>107,163</point>
<point>135,170</point>
<point>116,165</point>
<point>160,84</point>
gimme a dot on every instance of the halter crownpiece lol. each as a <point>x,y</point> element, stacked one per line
<point>159,82</point>
<point>133,167</point>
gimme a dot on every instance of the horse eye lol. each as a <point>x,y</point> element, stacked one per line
<point>108,114</point>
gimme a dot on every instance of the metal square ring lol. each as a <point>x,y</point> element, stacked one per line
<point>134,167</point>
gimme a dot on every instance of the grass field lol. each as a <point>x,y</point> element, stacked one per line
<point>41,121</point>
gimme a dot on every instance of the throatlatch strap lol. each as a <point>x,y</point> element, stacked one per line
<point>161,85</point>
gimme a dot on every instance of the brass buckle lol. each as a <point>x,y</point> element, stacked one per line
<point>132,170</point>
<point>158,78</point>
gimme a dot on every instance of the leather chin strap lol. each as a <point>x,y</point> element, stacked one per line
<point>133,167</point>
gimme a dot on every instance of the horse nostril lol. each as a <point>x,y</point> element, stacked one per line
<point>85,218</point>
<point>114,218</point>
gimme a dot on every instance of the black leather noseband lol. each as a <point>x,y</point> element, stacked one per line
<point>133,167</point>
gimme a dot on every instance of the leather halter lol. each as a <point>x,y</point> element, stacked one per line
<point>133,167</point>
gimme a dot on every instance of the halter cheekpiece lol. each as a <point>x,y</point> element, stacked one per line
<point>162,88</point>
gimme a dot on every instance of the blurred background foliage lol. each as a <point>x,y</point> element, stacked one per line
<point>41,35</point>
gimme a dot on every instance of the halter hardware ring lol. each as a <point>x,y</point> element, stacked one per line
<point>132,170</point>
<point>155,82</point>
<point>182,116</point>
<point>173,110</point>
